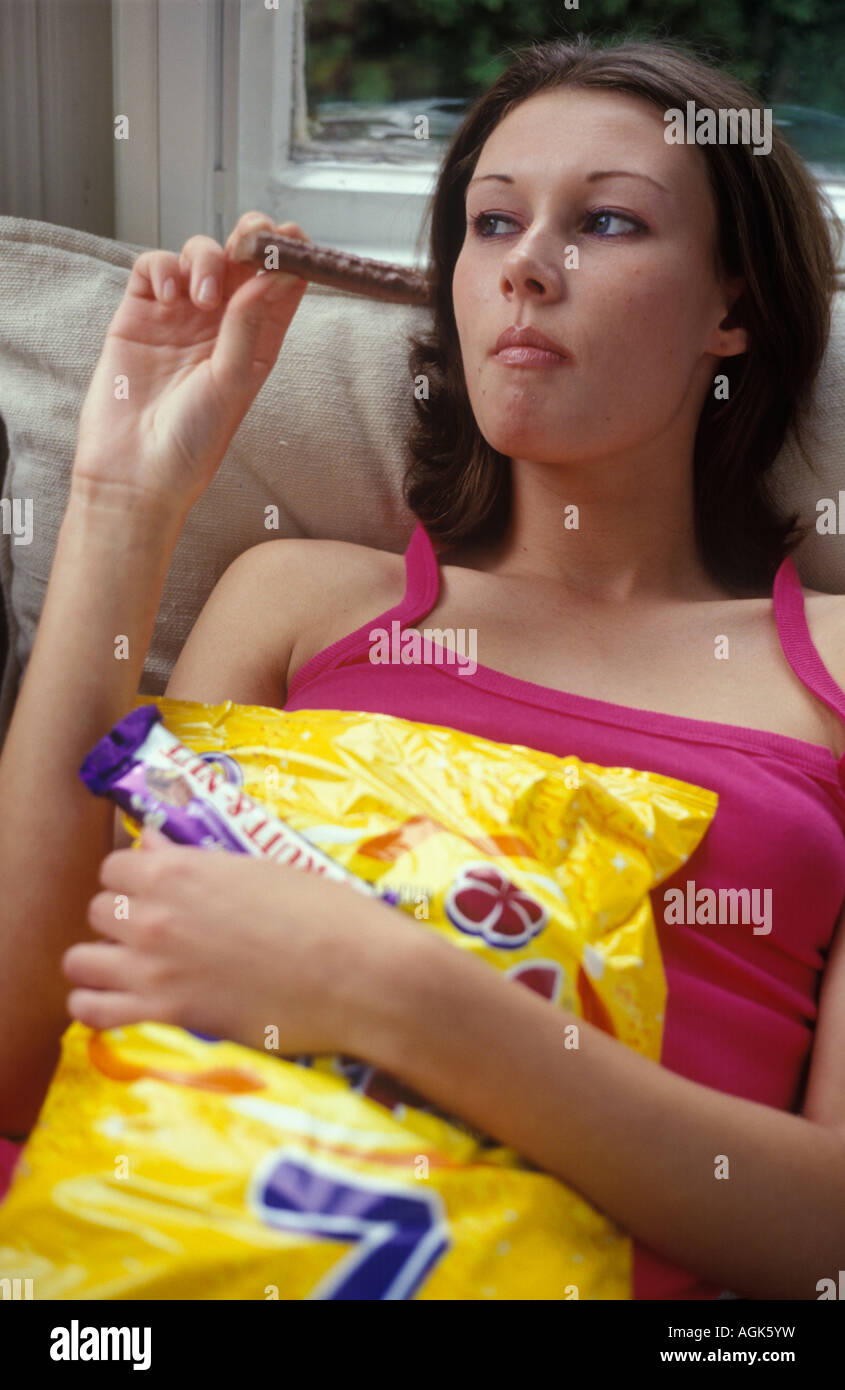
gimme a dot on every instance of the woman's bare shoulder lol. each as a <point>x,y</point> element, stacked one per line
<point>333,567</point>
<point>323,589</point>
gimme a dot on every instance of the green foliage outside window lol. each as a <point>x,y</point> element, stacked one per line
<point>791,51</point>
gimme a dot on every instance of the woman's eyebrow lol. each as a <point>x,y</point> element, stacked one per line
<point>624,174</point>
<point>591,178</point>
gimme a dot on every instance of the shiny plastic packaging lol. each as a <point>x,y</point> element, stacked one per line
<point>168,1165</point>
<point>160,781</point>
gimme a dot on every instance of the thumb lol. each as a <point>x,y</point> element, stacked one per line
<point>254,326</point>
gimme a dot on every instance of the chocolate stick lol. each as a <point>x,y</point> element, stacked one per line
<point>340,270</point>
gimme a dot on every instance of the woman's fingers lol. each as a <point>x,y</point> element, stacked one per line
<point>203,261</point>
<point>150,274</point>
<point>257,320</point>
<point>96,965</point>
<point>168,281</point>
<point>249,222</point>
<point>101,1009</point>
<point>102,915</point>
<point>279,277</point>
<point>211,272</point>
<point>253,222</point>
<point>252,333</point>
<point>205,270</point>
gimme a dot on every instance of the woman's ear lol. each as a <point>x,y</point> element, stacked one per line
<point>731,339</point>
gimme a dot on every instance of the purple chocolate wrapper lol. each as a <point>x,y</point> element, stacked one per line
<point>164,798</point>
<point>114,753</point>
<point>112,769</point>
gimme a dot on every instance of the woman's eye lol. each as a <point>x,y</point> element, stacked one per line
<point>600,221</point>
<point>605,214</point>
<point>483,219</point>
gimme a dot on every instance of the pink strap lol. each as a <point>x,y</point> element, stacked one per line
<point>422,584</point>
<point>798,646</point>
<point>422,579</point>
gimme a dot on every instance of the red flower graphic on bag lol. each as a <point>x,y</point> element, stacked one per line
<point>484,902</point>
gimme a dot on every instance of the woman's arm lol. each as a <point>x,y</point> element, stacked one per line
<point>108,571</point>
<point>144,455</point>
<point>644,1145</point>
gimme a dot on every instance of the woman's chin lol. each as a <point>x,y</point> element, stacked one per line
<point>529,446</point>
<point>523,425</point>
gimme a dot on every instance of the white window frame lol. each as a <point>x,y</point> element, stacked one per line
<point>370,207</point>
<point>203,152</point>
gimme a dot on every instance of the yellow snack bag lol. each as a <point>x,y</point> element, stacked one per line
<point>168,1165</point>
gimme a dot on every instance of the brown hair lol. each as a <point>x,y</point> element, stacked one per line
<point>773,232</point>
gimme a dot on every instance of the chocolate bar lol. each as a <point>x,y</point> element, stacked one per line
<point>396,284</point>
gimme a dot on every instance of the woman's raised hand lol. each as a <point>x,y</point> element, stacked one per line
<point>190,346</point>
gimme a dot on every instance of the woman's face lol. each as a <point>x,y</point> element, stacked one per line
<point>638,316</point>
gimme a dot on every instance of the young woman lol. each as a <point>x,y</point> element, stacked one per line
<point>602,521</point>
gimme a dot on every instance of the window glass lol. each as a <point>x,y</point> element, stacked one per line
<point>374,67</point>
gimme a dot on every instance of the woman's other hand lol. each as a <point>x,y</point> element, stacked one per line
<point>231,945</point>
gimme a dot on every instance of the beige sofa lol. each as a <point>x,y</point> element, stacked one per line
<point>323,442</point>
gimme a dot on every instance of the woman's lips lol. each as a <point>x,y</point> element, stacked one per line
<point>529,357</point>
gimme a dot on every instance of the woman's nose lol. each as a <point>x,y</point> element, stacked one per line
<point>532,271</point>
